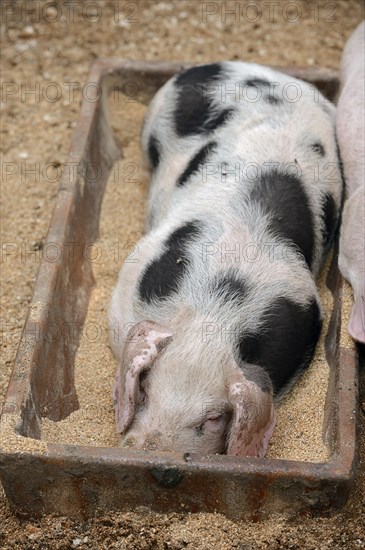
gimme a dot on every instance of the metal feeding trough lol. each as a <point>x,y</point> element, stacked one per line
<point>40,477</point>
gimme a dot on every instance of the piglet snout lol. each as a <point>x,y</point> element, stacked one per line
<point>147,442</point>
<point>152,440</point>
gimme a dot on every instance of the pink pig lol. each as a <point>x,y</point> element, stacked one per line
<point>350,128</point>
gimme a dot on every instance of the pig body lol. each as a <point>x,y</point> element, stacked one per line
<point>350,129</point>
<point>220,312</point>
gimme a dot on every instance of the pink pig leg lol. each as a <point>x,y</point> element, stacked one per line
<point>352,258</point>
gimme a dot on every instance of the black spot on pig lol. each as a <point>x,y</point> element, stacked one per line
<point>196,162</point>
<point>285,343</point>
<point>154,151</point>
<point>263,84</point>
<point>318,148</point>
<point>201,119</point>
<point>196,111</point>
<point>282,197</point>
<point>163,276</point>
<point>330,218</point>
<point>203,74</point>
<point>257,82</point>
<point>230,287</point>
<point>273,99</point>
<point>218,119</point>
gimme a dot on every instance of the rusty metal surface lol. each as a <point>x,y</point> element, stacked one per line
<point>78,480</point>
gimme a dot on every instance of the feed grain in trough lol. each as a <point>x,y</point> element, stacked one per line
<point>44,470</point>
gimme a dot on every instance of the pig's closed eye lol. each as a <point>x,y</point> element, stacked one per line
<point>212,424</point>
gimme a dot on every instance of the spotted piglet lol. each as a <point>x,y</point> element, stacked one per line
<point>221,312</point>
<point>350,128</point>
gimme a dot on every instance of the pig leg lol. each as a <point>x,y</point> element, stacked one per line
<point>356,325</point>
<point>352,259</point>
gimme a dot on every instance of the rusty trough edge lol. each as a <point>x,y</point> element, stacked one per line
<point>171,482</point>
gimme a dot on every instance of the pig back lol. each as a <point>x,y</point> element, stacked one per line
<point>238,134</point>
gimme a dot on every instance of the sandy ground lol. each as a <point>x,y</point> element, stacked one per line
<point>46,54</point>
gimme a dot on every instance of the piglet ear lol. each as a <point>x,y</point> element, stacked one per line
<point>144,342</point>
<point>253,421</point>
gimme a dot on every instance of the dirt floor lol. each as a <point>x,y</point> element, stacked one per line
<point>46,51</point>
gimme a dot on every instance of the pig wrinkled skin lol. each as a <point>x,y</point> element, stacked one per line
<point>220,312</point>
<point>350,129</point>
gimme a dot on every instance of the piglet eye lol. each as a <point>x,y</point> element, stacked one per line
<point>214,423</point>
<point>211,424</point>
